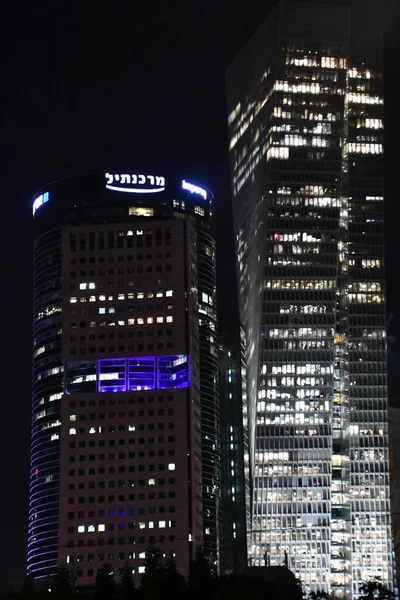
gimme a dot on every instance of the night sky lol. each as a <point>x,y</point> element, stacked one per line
<point>107,89</point>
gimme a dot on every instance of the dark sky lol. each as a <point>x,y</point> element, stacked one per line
<point>86,86</point>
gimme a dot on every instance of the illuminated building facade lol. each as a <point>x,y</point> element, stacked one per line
<point>394,439</point>
<point>305,106</point>
<point>125,431</point>
<point>235,494</point>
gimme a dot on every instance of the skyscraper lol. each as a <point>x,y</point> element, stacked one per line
<point>125,432</point>
<point>305,106</point>
<point>235,497</point>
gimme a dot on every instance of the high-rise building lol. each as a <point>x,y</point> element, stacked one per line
<point>394,440</point>
<point>125,431</point>
<point>305,106</point>
<point>235,494</point>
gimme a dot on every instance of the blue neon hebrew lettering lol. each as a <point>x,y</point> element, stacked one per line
<point>151,179</point>
<point>125,178</point>
<point>160,180</point>
<point>110,178</point>
<point>142,179</point>
<point>134,179</point>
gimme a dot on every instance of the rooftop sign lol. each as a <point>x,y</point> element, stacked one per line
<point>135,184</point>
<point>39,201</point>
<point>194,189</point>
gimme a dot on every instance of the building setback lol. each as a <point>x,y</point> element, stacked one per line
<point>305,106</point>
<point>125,431</point>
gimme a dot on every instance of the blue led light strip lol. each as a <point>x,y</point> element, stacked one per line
<point>142,373</point>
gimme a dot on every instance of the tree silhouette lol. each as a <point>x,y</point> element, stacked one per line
<point>61,586</point>
<point>127,589</point>
<point>105,583</point>
<point>375,590</point>
<point>175,584</point>
<point>28,589</point>
<point>151,584</point>
<point>319,596</point>
<point>201,576</point>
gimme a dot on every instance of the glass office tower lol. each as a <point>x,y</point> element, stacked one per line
<point>305,108</point>
<point>235,496</point>
<point>125,429</point>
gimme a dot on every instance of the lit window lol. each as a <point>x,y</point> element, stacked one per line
<point>82,286</point>
<point>330,62</point>
<point>151,524</point>
<point>102,298</point>
<point>131,321</point>
<point>82,299</point>
<point>92,430</point>
<point>92,286</point>
<point>142,554</point>
<point>363,148</point>
<point>81,529</point>
<point>140,321</point>
<point>91,529</point>
<point>151,482</point>
<point>140,295</point>
<point>129,232</point>
<point>142,525</point>
<point>199,210</point>
<point>111,309</point>
<point>102,311</point>
<point>171,467</point>
<point>142,569</point>
<point>168,293</point>
<point>150,320</point>
<point>169,319</point>
<point>121,323</point>
<point>358,98</point>
<point>162,524</point>
<point>121,296</point>
<point>131,427</point>
<point>72,432</point>
<point>73,299</point>
<point>72,417</point>
<point>374,123</point>
<point>139,231</point>
<point>141,211</point>
<point>160,319</point>
<point>278,152</point>
<point>159,294</point>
